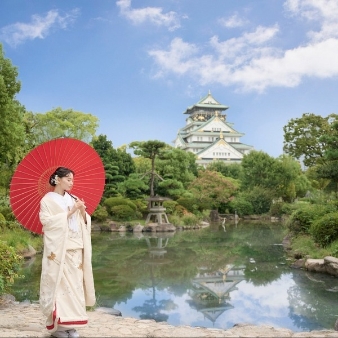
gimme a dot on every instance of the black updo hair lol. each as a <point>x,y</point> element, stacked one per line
<point>59,172</point>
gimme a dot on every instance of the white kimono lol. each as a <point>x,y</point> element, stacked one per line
<point>67,284</point>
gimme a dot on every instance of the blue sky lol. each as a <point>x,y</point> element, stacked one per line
<point>138,64</point>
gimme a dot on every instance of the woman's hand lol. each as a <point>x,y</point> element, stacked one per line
<point>78,205</point>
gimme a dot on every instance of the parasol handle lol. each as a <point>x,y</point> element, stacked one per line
<point>73,197</point>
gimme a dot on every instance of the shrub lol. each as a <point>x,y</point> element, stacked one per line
<point>170,206</point>
<point>325,229</point>
<point>334,248</point>
<point>111,202</point>
<point>142,205</point>
<point>100,214</point>
<point>2,221</point>
<point>9,265</point>
<point>180,210</point>
<point>260,198</point>
<point>302,218</point>
<point>190,219</point>
<point>188,203</point>
<point>241,206</point>
<point>175,220</point>
<point>276,209</point>
<point>287,209</point>
<point>123,212</point>
<point>7,212</point>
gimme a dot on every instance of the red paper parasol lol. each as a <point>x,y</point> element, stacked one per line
<point>30,181</point>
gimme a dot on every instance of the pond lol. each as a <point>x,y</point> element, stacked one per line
<point>213,277</point>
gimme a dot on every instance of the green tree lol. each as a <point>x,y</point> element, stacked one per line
<point>149,149</point>
<point>133,187</point>
<point>316,181</point>
<point>303,137</point>
<point>112,180</point>
<point>257,170</point>
<point>177,164</point>
<point>211,189</point>
<point>63,123</point>
<point>12,131</point>
<point>233,170</point>
<point>171,188</point>
<point>118,164</point>
<point>329,169</point>
<point>124,161</point>
<point>285,173</point>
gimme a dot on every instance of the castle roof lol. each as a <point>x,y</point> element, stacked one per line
<point>207,102</point>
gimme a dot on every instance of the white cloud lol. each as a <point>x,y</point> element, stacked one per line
<point>39,27</point>
<point>251,61</point>
<point>154,15</point>
<point>324,12</point>
<point>233,21</point>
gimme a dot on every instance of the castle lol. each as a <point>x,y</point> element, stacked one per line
<point>209,135</point>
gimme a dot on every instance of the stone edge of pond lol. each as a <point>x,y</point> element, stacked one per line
<point>24,319</point>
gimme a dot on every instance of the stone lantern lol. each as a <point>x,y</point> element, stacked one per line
<point>157,210</point>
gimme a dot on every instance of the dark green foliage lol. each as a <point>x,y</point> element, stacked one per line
<point>170,188</point>
<point>303,137</point>
<point>170,206</point>
<point>2,220</point>
<point>133,187</point>
<point>301,219</point>
<point>287,209</point>
<point>233,170</point>
<point>9,265</point>
<point>150,149</point>
<point>177,165</point>
<point>257,170</point>
<point>279,209</point>
<point>111,202</point>
<point>260,198</point>
<point>276,209</point>
<point>142,205</point>
<point>241,206</point>
<point>189,203</point>
<point>123,212</point>
<point>324,230</point>
<point>12,129</point>
<point>114,157</point>
<point>112,180</point>
<point>180,210</point>
<point>100,214</point>
<point>190,219</point>
<point>118,163</point>
<point>7,213</point>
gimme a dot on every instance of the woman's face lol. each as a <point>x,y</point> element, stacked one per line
<point>66,183</point>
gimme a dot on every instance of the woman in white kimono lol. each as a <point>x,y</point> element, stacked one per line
<point>67,285</point>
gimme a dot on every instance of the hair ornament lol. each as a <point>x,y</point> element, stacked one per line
<point>53,180</point>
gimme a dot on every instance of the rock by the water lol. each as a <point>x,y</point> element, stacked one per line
<point>331,264</point>
<point>138,228</point>
<point>109,310</point>
<point>327,265</point>
<point>165,227</point>
<point>298,264</point>
<point>29,252</point>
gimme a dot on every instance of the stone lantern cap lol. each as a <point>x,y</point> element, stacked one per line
<point>158,199</point>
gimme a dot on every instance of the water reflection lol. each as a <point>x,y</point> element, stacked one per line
<point>208,277</point>
<point>210,291</point>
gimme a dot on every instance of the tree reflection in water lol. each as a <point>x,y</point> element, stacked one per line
<point>151,308</point>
